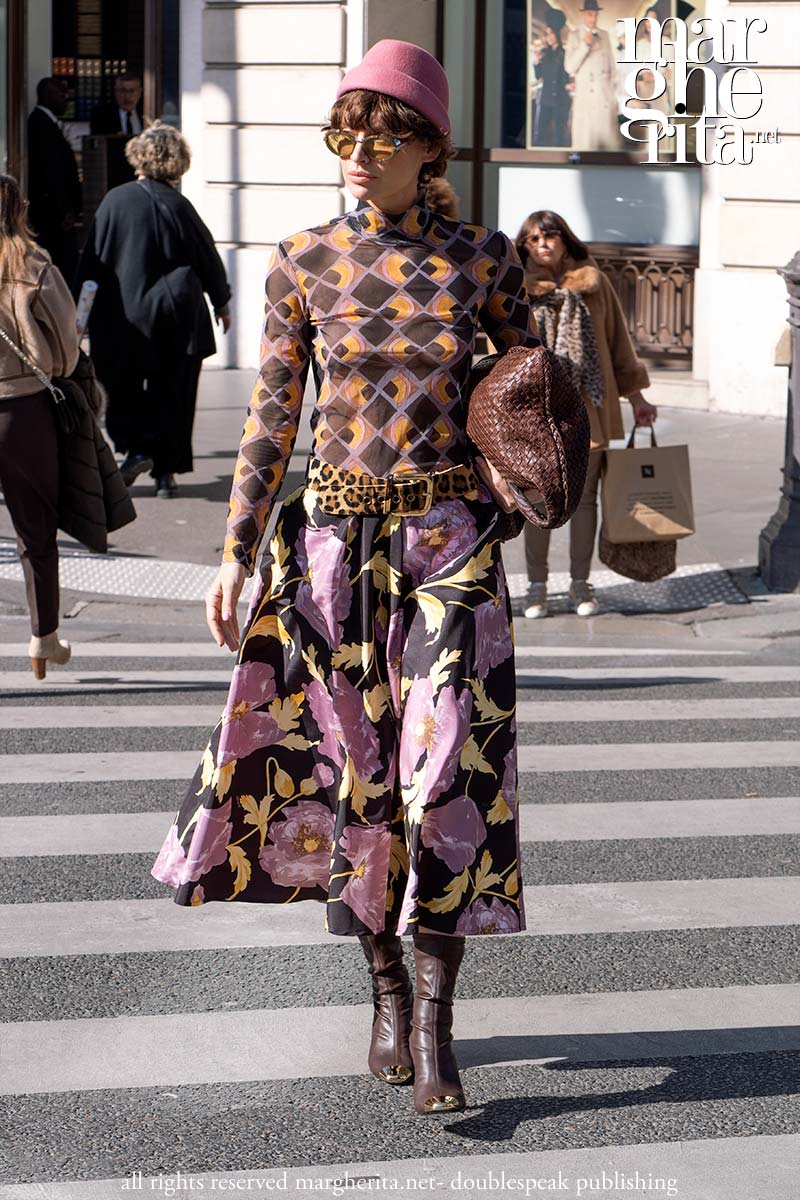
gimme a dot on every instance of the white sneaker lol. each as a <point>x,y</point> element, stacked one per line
<point>581,593</point>
<point>538,606</point>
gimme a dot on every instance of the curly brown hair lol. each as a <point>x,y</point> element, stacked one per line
<point>441,198</point>
<point>159,152</point>
<point>361,109</point>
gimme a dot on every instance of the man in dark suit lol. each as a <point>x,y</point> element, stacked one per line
<point>123,117</point>
<point>54,187</point>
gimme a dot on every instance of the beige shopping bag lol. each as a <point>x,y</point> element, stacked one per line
<point>647,493</point>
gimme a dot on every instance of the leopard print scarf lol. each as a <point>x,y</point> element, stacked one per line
<point>565,327</point>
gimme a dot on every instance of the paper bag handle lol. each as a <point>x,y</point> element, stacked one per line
<point>632,438</point>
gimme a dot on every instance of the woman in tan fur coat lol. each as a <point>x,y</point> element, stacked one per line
<point>580,319</point>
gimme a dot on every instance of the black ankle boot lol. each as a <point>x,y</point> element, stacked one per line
<point>437,1084</point>
<point>389,1056</point>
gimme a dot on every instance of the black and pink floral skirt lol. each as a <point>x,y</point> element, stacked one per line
<point>366,756</point>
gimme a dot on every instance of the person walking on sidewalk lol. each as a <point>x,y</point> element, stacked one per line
<point>153,258</point>
<point>37,313</point>
<point>580,318</point>
<point>367,753</point>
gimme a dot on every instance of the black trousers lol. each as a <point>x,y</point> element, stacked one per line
<point>151,411</point>
<point>29,479</point>
<point>550,125</point>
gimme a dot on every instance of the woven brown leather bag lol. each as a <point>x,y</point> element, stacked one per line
<point>528,418</point>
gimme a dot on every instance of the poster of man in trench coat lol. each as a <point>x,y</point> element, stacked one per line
<point>589,91</point>
<point>590,60</point>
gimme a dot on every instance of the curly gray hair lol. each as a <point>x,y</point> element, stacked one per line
<point>159,152</point>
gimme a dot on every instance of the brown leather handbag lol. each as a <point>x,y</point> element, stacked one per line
<point>528,418</point>
<point>643,561</point>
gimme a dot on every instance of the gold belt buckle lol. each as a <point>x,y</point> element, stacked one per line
<point>417,477</point>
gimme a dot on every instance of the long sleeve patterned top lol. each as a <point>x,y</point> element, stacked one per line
<point>386,310</point>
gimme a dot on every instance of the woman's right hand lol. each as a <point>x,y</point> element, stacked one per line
<point>221,600</point>
<point>504,497</point>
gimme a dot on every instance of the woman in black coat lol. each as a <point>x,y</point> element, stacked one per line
<point>153,258</point>
<point>552,107</point>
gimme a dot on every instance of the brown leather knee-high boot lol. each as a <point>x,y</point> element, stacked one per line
<point>437,1084</point>
<point>389,1056</point>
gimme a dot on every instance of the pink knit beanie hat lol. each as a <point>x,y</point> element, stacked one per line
<point>408,73</point>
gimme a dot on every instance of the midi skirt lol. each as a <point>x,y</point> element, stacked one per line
<point>366,756</point>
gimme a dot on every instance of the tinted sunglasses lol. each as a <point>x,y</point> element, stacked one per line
<point>376,146</point>
<point>547,235</point>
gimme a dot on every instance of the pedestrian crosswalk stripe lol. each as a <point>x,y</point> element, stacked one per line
<point>759,1166</point>
<point>112,716</point>
<point>94,768</point>
<point>205,716</point>
<point>136,833</point>
<point>636,756</point>
<point>716,708</point>
<point>721,673</point>
<point>45,1059</point>
<point>325,1041</point>
<point>112,681</point>
<point>616,820</point>
<point>209,649</point>
<point>150,650</point>
<point>622,756</point>
<point>128,926</point>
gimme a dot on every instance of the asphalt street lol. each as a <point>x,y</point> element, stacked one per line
<point>641,1037</point>
<point>647,1021</point>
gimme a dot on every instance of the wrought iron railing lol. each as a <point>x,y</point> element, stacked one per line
<point>655,285</point>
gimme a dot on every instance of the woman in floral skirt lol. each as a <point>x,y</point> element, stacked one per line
<point>366,756</point>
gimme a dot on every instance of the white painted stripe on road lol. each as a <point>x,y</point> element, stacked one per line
<point>584,651</point>
<point>94,768</point>
<point>662,904</point>
<point>624,819</point>
<point>658,756</point>
<point>712,1168</point>
<point>84,833</point>
<point>622,756</point>
<point>303,1043</point>
<point>131,926</point>
<point>136,833</point>
<point>114,681</point>
<point>722,673</point>
<point>143,716</point>
<point>209,649</point>
<point>110,716</point>
<point>747,708</point>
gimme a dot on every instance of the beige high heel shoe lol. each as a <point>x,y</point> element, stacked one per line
<point>48,648</point>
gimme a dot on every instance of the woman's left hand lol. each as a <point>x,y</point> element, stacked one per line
<point>644,413</point>
<point>496,484</point>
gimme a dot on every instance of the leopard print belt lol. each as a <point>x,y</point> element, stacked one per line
<point>406,494</point>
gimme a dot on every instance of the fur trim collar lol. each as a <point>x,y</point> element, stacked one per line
<point>578,277</point>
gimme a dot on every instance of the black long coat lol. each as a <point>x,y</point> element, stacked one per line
<point>54,189</point>
<point>153,259</point>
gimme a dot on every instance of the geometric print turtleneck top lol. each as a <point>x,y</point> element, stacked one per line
<point>385,310</point>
